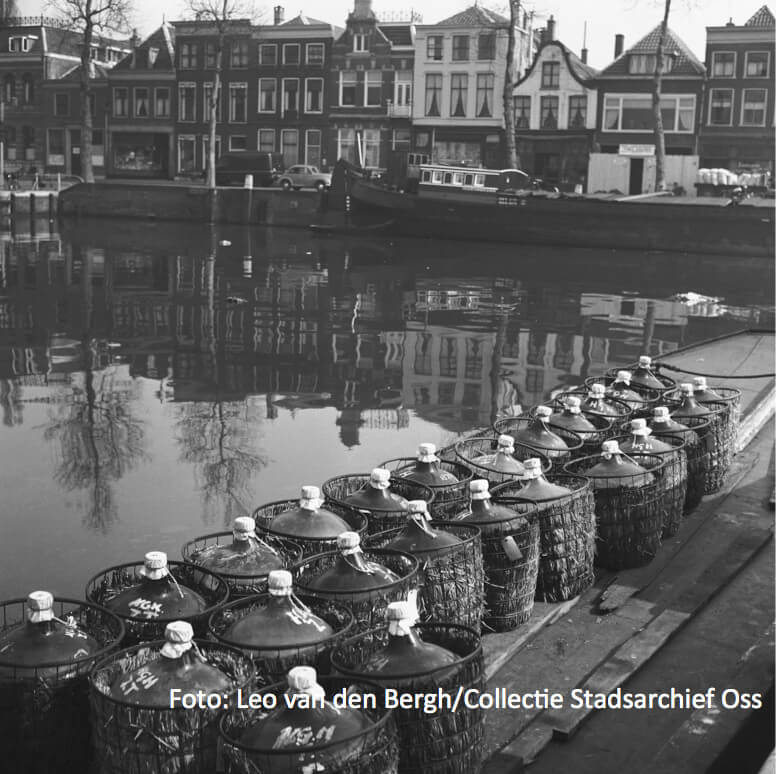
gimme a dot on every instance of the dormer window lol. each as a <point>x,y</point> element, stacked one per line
<point>644,64</point>
<point>20,44</point>
<point>361,43</point>
<point>153,52</point>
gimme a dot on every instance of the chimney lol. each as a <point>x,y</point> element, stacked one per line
<point>550,28</point>
<point>134,41</point>
<point>584,55</point>
<point>730,23</point>
<point>362,9</point>
<point>278,15</point>
<point>619,44</point>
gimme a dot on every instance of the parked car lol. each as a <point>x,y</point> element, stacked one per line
<point>303,176</point>
<point>232,167</point>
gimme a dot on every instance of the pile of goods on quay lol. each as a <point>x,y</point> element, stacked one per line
<point>373,581</point>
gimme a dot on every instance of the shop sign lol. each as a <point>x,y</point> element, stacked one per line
<point>636,150</point>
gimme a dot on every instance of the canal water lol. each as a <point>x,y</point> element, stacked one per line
<point>158,380</point>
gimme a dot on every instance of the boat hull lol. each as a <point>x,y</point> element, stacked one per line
<point>577,221</point>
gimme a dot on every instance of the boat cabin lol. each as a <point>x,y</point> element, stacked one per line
<point>440,178</point>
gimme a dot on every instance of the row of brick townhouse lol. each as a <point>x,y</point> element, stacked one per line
<point>381,91</point>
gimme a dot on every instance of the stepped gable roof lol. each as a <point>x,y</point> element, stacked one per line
<point>762,18</point>
<point>686,63</point>
<point>161,40</point>
<point>398,34</point>
<point>581,72</point>
<point>475,16</point>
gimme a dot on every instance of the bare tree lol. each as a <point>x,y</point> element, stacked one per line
<point>9,9</point>
<point>508,87</point>
<point>658,113</point>
<point>90,18</point>
<point>221,14</point>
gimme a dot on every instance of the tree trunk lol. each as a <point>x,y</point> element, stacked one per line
<point>508,89</point>
<point>658,113</point>
<point>86,90</point>
<point>213,104</point>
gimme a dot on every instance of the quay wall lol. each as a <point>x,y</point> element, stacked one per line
<point>262,206</point>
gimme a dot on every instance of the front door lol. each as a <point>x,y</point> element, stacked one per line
<point>75,152</point>
<point>635,185</point>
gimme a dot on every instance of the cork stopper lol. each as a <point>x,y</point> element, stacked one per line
<point>380,478</point>
<point>302,678</point>
<point>155,565</point>
<point>310,498</point>
<point>686,388</point>
<point>661,413</point>
<point>645,361</point>
<point>638,427</point>
<point>573,404</point>
<point>623,376</point>
<point>609,448</point>
<point>543,412</point>
<point>532,467</point>
<point>348,541</point>
<point>426,452</point>
<point>279,582</point>
<point>480,489</point>
<point>597,391</point>
<point>700,383</point>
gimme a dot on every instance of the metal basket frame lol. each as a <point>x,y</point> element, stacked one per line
<point>486,444</point>
<point>508,425</point>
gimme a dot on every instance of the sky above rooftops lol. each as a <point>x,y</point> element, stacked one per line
<point>604,19</point>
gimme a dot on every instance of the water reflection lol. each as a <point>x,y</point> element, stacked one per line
<point>358,343</point>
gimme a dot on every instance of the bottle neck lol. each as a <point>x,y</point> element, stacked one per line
<point>353,559</point>
<point>402,635</point>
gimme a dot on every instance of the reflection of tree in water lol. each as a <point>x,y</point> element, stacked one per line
<point>220,439</point>
<point>99,440</point>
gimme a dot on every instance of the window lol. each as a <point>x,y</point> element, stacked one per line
<point>186,147</point>
<point>360,43</point>
<point>633,113</point>
<point>314,87</point>
<point>290,88</point>
<point>20,44</point>
<point>238,102</point>
<point>756,64</point>
<point>56,144</point>
<point>486,45</point>
<point>721,107</point>
<point>162,102</point>
<point>723,64</point>
<point>266,140</point>
<point>97,137</point>
<point>315,53</point>
<point>577,111</point>
<point>289,146</point>
<point>61,104</point>
<point>644,64</point>
<point>268,54</point>
<point>186,102</point>
<point>549,112</point>
<point>237,142</point>
<point>753,108</point>
<point>522,112</point>
<point>28,89</point>
<point>267,95</point>
<point>208,89</point>
<point>347,89</point>
<point>141,100</point>
<point>550,75</point>
<point>210,56</point>
<point>485,83</point>
<point>217,148</point>
<point>433,86</point>
<point>291,53</point>
<point>120,102</point>
<point>403,88</point>
<point>460,48</point>
<point>372,88</point>
<point>435,47</point>
<point>346,145</point>
<point>313,147</point>
<point>239,53</point>
<point>188,56</point>
<point>401,139</point>
<point>459,97</point>
<point>370,147</point>
<point>9,88</point>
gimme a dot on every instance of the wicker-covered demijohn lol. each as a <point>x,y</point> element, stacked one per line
<point>149,738</point>
<point>441,737</point>
<point>240,578</point>
<point>277,654</point>
<point>566,523</point>
<point>485,457</point>
<point>452,576</point>
<point>369,603</point>
<point>628,506</point>
<point>622,387</point>
<point>521,429</point>
<point>44,718</point>
<point>510,550</point>
<point>372,750</point>
<point>593,429</point>
<point>644,374</point>
<point>448,480</point>
<point>390,515</point>
<point>145,623</point>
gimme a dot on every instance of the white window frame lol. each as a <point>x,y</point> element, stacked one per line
<point>204,147</point>
<point>259,144</point>
<point>395,139</point>
<point>768,64</point>
<point>126,113</point>
<point>22,44</point>
<point>275,55</point>
<point>185,138</point>
<point>156,90</point>
<point>245,88</point>
<point>714,55</point>
<point>230,143</point>
<point>321,96</point>
<point>366,81</point>
<point>744,102</point>
<point>284,108</point>
<point>623,96</point>
<point>309,46</point>
<point>275,96</point>
<point>732,106</point>
<point>207,86</point>
<point>149,106</point>
<point>351,74</point>
<point>289,131</point>
<point>290,46</point>
<point>360,43</point>
<point>307,145</point>
<point>403,88</point>
<point>181,88</point>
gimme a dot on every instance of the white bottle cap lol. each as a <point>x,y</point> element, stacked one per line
<point>426,452</point>
<point>401,615</point>
<point>506,442</point>
<point>597,391</point>
<point>532,467</point>
<point>480,489</point>
<point>178,639</point>
<point>279,582</point>
<point>573,404</point>
<point>638,427</point>
<point>661,413</point>
<point>301,678</point>
<point>610,447</point>
<point>686,388</point>
<point>40,606</point>
<point>544,412</point>
<point>699,382</point>
<point>417,506</point>
<point>244,524</point>
<point>155,565</point>
<point>645,361</point>
<point>310,498</point>
<point>623,376</point>
<point>347,541</point>
<point>380,478</point>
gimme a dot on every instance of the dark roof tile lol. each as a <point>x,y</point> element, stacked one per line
<point>762,18</point>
